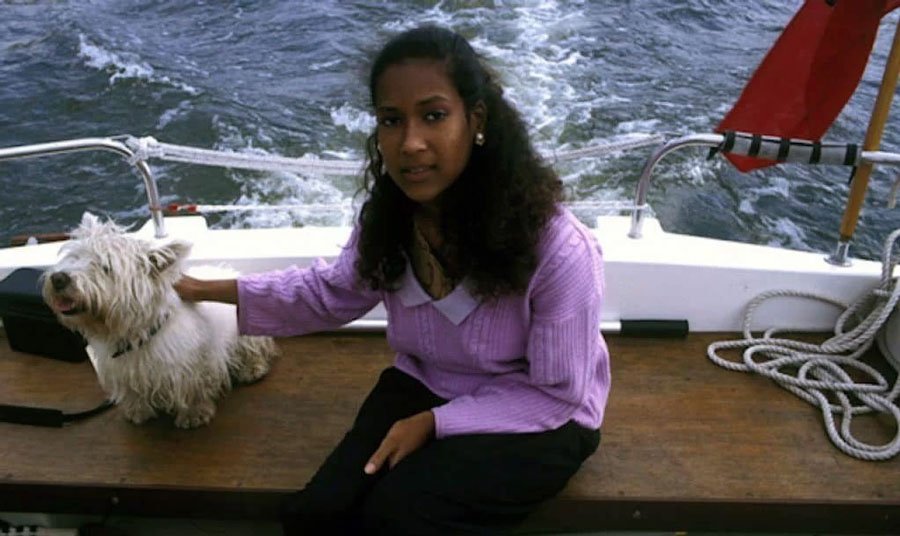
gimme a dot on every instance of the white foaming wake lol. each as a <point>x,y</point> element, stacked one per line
<point>121,67</point>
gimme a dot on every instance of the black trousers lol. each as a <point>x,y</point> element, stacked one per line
<point>471,484</point>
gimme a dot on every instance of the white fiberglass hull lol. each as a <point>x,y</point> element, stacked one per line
<point>661,276</point>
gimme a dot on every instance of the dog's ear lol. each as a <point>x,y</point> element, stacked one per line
<point>88,220</point>
<point>164,257</point>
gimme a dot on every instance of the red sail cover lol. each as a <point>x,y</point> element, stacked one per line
<point>809,74</point>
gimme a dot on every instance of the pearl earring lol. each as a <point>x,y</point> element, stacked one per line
<point>381,156</point>
<point>479,139</point>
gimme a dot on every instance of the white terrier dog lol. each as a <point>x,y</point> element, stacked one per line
<point>152,351</point>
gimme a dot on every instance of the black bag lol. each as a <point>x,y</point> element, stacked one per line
<point>31,327</point>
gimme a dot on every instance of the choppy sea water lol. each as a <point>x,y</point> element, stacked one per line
<point>288,78</point>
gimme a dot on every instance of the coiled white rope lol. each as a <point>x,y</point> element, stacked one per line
<point>812,370</point>
<point>148,147</point>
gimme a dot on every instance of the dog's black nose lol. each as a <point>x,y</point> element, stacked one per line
<point>60,280</point>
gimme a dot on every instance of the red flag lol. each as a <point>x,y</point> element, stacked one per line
<point>809,74</point>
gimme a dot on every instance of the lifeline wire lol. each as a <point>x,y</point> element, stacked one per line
<point>148,147</point>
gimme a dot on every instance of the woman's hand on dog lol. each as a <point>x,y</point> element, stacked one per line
<point>405,437</point>
<point>192,289</point>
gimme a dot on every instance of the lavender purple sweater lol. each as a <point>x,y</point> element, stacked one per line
<point>520,363</point>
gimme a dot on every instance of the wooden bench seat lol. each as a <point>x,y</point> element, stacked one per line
<point>686,446</point>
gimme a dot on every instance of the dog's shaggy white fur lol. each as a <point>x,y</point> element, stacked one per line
<point>152,351</point>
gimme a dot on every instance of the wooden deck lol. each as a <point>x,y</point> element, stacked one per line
<point>686,446</point>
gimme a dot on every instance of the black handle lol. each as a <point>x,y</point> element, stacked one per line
<point>52,418</point>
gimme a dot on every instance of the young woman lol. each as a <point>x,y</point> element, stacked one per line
<point>493,294</point>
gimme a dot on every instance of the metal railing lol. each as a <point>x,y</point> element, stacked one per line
<point>118,145</point>
<point>137,151</point>
<point>97,144</point>
<point>838,257</point>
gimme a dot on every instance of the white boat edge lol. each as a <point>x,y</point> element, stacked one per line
<point>660,276</point>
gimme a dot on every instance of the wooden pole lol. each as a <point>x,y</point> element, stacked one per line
<point>873,139</point>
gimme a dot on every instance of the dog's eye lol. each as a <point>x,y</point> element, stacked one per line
<point>106,269</point>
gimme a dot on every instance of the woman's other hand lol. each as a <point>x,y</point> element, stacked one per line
<point>405,437</point>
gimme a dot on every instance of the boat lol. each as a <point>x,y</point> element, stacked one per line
<point>688,444</point>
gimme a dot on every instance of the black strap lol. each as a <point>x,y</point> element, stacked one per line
<point>850,155</point>
<point>816,152</point>
<point>81,415</point>
<point>726,146</point>
<point>755,144</point>
<point>51,418</point>
<point>728,143</point>
<point>784,147</point>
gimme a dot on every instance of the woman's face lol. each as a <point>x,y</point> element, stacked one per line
<point>424,133</point>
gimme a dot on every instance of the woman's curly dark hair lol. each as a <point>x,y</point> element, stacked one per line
<point>492,215</point>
